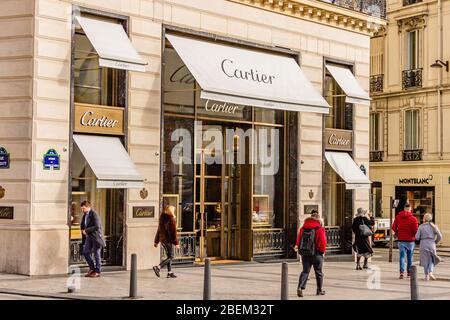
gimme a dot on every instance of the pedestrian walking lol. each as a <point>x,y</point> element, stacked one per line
<point>362,225</point>
<point>428,235</point>
<point>92,239</point>
<point>167,236</point>
<point>311,245</point>
<point>405,227</point>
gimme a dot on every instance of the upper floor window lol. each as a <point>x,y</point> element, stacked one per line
<point>376,64</point>
<point>412,127</point>
<point>375,132</point>
<point>341,114</point>
<point>413,50</point>
<point>94,84</point>
<point>408,2</point>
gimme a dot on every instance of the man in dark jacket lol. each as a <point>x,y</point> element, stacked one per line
<point>92,240</point>
<point>315,258</point>
<point>167,236</point>
<point>405,227</point>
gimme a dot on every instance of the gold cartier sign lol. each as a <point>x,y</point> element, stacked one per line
<point>341,140</point>
<point>101,120</point>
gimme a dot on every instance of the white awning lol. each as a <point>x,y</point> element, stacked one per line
<point>348,83</point>
<point>248,77</point>
<point>112,45</point>
<point>348,170</point>
<point>109,161</point>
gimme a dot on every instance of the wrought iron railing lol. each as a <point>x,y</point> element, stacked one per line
<point>269,242</point>
<point>376,83</point>
<point>376,156</point>
<point>412,78</point>
<point>76,252</point>
<point>375,8</point>
<point>334,238</point>
<point>412,155</point>
<point>408,2</point>
<point>187,251</point>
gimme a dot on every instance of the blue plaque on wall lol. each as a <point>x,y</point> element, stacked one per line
<point>4,158</point>
<point>51,160</point>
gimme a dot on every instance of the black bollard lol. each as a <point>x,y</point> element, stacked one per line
<point>207,280</point>
<point>284,281</point>
<point>133,277</point>
<point>414,284</point>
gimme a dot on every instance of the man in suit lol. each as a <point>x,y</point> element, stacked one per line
<point>92,240</point>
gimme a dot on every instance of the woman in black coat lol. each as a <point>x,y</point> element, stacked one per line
<point>362,244</point>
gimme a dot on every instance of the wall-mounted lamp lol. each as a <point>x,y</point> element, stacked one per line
<point>363,169</point>
<point>440,64</point>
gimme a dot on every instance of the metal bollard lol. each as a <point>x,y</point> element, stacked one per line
<point>207,280</point>
<point>133,277</point>
<point>284,281</point>
<point>414,284</point>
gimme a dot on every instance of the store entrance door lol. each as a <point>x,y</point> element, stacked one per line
<point>222,184</point>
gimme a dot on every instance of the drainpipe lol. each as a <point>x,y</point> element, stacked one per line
<point>439,102</point>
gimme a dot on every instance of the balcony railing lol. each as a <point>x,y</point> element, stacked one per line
<point>408,2</point>
<point>412,78</point>
<point>376,156</point>
<point>375,8</point>
<point>376,83</point>
<point>334,238</point>
<point>412,155</point>
<point>269,242</point>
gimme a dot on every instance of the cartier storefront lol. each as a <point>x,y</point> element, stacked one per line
<point>228,144</point>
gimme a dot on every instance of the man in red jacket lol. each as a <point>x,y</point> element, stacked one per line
<point>311,244</point>
<point>405,227</point>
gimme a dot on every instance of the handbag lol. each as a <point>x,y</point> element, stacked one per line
<point>364,230</point>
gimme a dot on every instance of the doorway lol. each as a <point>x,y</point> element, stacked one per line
<point>223,192</point>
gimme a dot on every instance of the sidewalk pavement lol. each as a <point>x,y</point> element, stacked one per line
<point>244,281</point>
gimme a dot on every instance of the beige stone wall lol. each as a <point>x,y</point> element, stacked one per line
<point>16,118</point>
<point>35,91</point>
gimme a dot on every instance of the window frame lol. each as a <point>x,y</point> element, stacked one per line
<point>378,135</point>
<point>415,142</point>
<point>413,52</point>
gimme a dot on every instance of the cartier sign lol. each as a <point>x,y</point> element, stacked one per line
<point>101,120</point>
<point>341,140</point>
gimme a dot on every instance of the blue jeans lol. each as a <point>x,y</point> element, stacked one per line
<point>89,248</point>
<point>429,267</point>
<point>406,249</point>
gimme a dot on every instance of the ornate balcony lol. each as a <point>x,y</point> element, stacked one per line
<point>408,2</point>
<point>376,156</point>
<point>412,78</point>
<point>412,155</point>
<point>376,83</point>
<point>376,8</point>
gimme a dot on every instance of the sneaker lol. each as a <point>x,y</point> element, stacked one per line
<point>401,276</point>
<point>171,275</point>
<point>432,276</point>
<point>320,293</point>
<point>156,270</point>
<point>299,293</point>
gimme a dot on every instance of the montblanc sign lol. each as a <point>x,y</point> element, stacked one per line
<point>426,180</point>
<point>340,140</point>
<point>99,120</point>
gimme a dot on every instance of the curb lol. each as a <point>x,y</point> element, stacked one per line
<point>51,295</point>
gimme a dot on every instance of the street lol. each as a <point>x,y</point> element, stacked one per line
<point>242,281</point>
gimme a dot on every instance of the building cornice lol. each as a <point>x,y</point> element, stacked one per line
<point>321,12</point>
<point>397,164</point>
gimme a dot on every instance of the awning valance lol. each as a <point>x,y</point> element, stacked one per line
<point>348,170</point>
<point>348,83</point>
<point>109,161</point>
<point>112,45</point>
<point>248,77</point>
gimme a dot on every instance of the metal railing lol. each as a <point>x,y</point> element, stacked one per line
<point>376,83</point>
<point>76,252</point>
<point>376,156</point>
<point>187,251</point>
<point>412,78</point>
<point>270,242</point>
<point>375,8</point>
<point>412,155</point>
<point>334,238</point>
<point>409,2</point>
